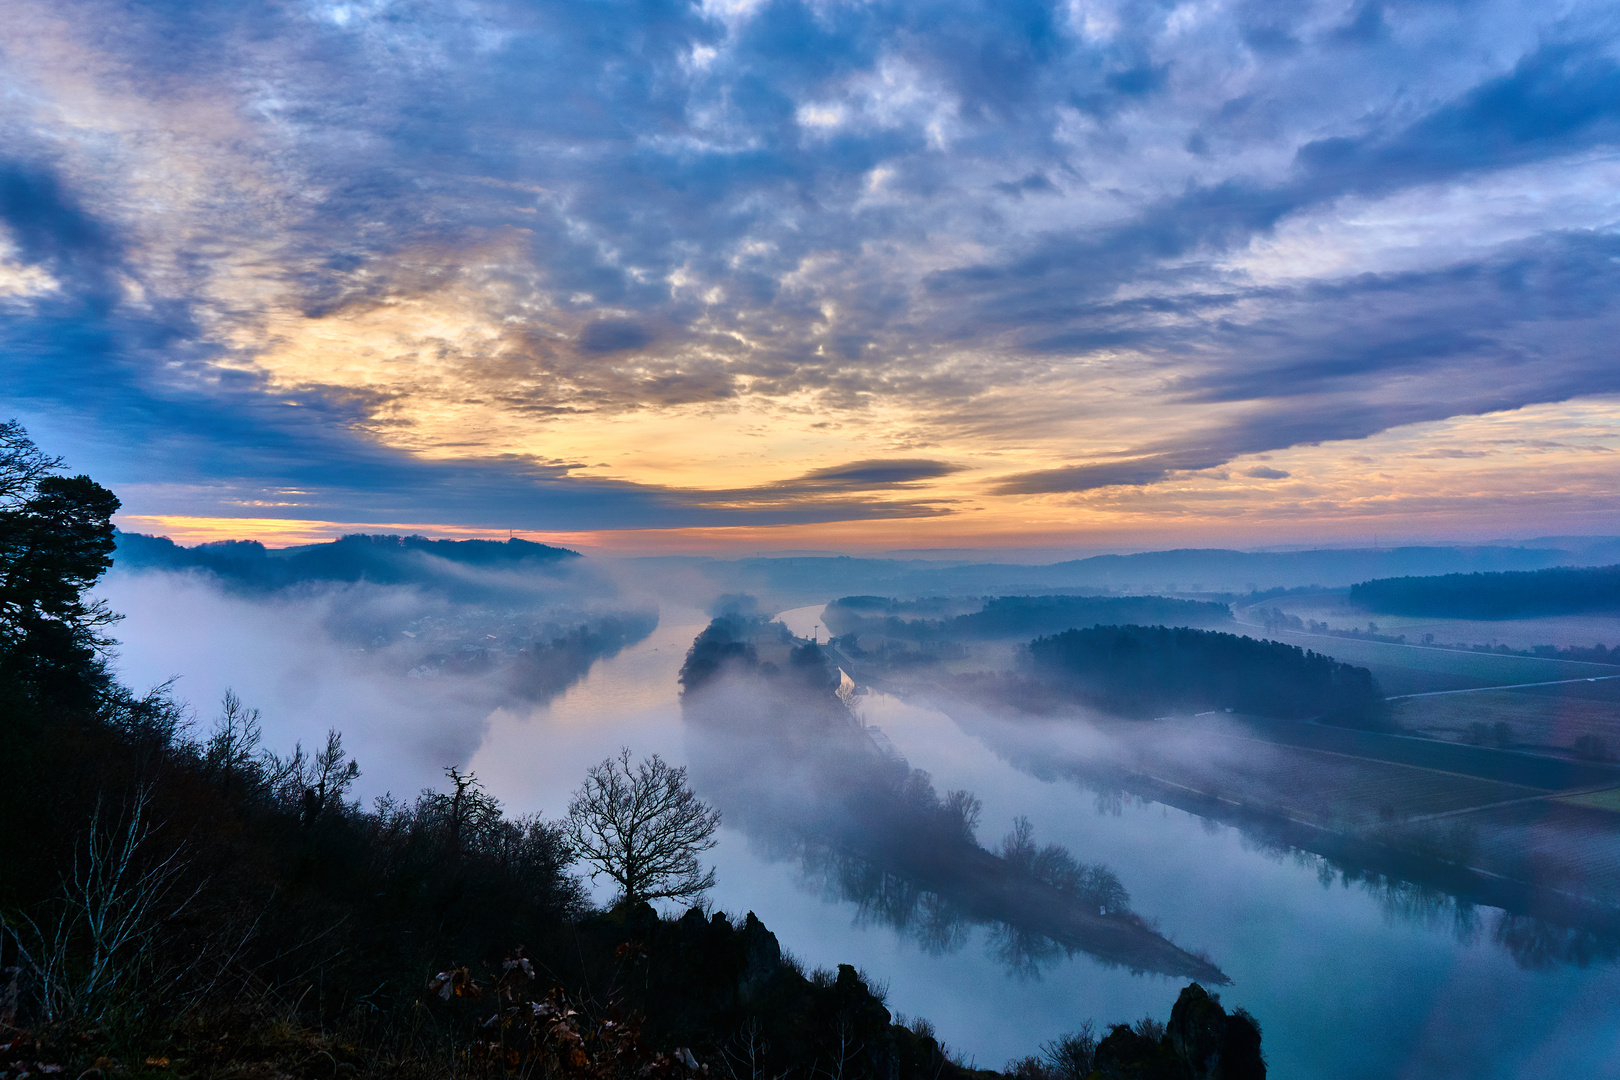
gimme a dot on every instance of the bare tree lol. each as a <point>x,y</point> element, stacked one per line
<point>314,782</point>
<point>22,465</point>
<point>643,827</point>
<point>117,900</point>
<point>469,816</point>
<point>234,743</point>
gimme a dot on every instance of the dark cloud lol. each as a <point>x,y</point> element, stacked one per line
<point>1033,184</point>
<point>877,473</point>
<point>45,222</point>
<point>1264,472</point>
<point>1558,99</point>
<point>665,207</point>
<point>613,335</point>
<point>1133,472</point>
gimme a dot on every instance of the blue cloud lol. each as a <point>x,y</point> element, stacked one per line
<point>802,158</point>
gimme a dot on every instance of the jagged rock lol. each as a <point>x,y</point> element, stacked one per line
<point>1197,1032</point>
<point>1129,1055</point>
<point>1201,1042</point>
<point>762,957</point>
<point>1212,1044</point>
<point>1240,1051</point>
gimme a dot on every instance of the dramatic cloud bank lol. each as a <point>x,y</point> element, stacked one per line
<point>969,269</point>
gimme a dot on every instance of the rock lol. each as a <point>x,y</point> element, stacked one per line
<point>1197,1032</point>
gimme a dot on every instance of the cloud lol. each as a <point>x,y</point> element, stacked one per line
<point>613,335</point>
<point>876,473</point>
<point>1262,472</point>
<point>46,226</point>
<point>423,262</point>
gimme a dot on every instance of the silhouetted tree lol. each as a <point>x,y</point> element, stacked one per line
<point>643,827</point>
<point>232,750</point>
<point>56,540</point>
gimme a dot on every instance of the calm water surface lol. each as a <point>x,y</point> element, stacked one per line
<point>1343,984</point>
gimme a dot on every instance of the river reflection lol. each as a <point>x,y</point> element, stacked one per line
<point>1347,980</point>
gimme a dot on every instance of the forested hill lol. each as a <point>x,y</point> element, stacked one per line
<point>1017,616</point>
<point>1147,670</point>
<point>383,560</point>
<point>1508,595</point>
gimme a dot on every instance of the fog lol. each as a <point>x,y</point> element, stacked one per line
<point>1343,961</point>
<point>414,679</point>
<point>794,766</point>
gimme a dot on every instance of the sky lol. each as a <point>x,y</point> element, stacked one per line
<point>845,275</point>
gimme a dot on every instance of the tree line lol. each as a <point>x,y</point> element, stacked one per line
<point>1146,671</point>
<point>377,558</point>
<point>1515,594</point>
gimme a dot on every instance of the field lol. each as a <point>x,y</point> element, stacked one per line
<point>1325,788</point>
<point>1415,669</point>
<point>1542,719</point>
<point>1560,630</point>
<point>1539,718</point>
<point>1566,839</point>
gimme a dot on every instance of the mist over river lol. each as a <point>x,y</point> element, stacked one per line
<point>1346,981</point>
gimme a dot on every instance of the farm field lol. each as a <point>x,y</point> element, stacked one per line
<point>1560,630</point>
<point>1331,790</point>
<point>1560,844</point>
<point>1566,841</point>
<point>1412,669</point>
<point>1538,718</point>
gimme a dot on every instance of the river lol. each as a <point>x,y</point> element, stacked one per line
<point>1343,985</point>
<point>1345,982</point>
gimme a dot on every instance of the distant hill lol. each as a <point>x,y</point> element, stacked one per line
<point>383,560</point>
<point>1511,595</point>
<point>1014,616</point>
<point>791,581</point>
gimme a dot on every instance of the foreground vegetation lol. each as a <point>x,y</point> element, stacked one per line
<point>182,901</point>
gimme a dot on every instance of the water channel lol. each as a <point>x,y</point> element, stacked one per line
<point>1346,981</point>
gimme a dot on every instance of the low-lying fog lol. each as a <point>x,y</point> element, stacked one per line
<point>1345,976</point>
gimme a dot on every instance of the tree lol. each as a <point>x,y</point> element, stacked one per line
<point>643,827</point>
<point>56,540</point>
<point>231,752</point>
<point>467,818</point>
<point>315,782</point>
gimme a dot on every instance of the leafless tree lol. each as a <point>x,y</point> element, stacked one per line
<point>468,815</point>
<point>643,827</point>
<point>744,1054</point>
<point>22,465</point>
<point>232,747</point>
<point>315,782</point>
<point>118,897</point>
